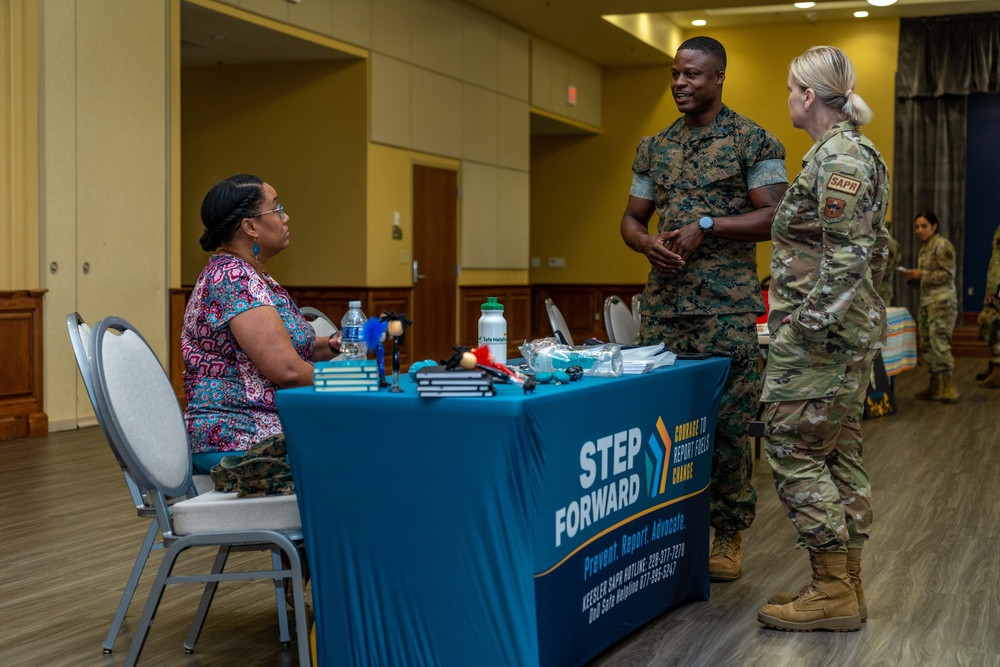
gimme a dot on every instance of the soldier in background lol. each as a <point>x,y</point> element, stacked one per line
<point>713,177</point>
<point>989,318</point>
<point>938,307</point>
<point>829,251</point>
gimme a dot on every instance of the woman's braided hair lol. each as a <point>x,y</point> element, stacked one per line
<point>225,206</point>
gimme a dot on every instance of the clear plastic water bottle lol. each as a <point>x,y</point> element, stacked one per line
<point>493,329</point>
<point>352,339</point>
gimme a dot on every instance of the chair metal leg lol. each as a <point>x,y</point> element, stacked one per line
<point>133,582</point>
<point>299,602</point>
<point>152,604</point>
<point>206,601</point>
<point>284,637</point>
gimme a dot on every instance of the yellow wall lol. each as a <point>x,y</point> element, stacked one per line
<point>579,185</point>
<point>18,145</point>
<point>299,126</point>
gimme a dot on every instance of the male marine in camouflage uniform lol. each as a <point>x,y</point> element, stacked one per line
<point>827,323</point>
<point>713,177</point>
<point>989,318</point>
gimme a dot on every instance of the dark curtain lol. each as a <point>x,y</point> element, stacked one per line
<point>941,61</point>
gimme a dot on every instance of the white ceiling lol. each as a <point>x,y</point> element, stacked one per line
<point>575,25</point>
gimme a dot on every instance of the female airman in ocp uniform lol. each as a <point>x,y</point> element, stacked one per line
<point>938,307</point>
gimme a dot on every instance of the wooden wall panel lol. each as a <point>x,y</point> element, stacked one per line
<point>22,397</point>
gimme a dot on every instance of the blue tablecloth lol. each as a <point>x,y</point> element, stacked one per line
<point>512,530</point>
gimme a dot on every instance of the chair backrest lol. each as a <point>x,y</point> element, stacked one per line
<point>321,324</point>
<point>79,337</point>
<point>636,306</point>
<point>559,328</point>
<point>618,321</point>
<point>143,417</point>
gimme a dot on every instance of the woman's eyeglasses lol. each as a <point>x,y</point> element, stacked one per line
<point>280,211</point>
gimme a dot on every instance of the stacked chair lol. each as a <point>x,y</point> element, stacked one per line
<point>619,322</point>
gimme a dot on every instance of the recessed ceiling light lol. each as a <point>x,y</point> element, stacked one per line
<point>805,5</point>
<point>881,3</point>
<point>699,22</point>
<point>860,15</point>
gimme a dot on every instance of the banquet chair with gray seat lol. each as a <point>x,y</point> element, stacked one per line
<point>79,336</point>
<point>321,323</point>
<point>559,328</point>
<point>619,322</point>
<point>145,424</point>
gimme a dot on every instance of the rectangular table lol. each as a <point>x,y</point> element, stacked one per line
<point>510,530</point>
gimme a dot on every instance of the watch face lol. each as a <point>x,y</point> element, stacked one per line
<point>706,223</point>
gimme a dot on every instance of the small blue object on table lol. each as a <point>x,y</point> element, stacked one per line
<point>516,529</point>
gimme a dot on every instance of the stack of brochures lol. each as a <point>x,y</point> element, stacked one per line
<point>354,375</point>
<point>636,366</point>
<point>435,381</point>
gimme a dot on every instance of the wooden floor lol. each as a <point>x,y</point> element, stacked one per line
<point>931,569</point>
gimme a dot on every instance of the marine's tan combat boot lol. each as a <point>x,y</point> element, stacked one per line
<point>725,562</point>
<point>933,391</point>
<point>830,603</point>
<point>853,572</point>
<point>948,392</point>
<point>992,381</point>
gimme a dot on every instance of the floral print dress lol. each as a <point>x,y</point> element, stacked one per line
<point>230,404</point>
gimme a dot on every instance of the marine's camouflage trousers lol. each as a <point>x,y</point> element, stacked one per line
<point>936,324</point>
<point>733,499</point>
<point>989,330</point>
<point>262,470</point>
<point>814,448</point>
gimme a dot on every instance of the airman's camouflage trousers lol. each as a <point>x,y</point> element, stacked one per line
<point>989,330</point>
<point>936,323</point>
<point>733,498</point>
<point>814,448</point>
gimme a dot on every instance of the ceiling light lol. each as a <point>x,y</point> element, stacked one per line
<point>860,15</point>
<point>699,22</point>
<point>881,3</point>
<point>805,5</point>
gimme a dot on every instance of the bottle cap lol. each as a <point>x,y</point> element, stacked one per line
<point>353,304</point>
<point>491,304</point>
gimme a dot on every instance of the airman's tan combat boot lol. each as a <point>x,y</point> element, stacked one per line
<point>948,392</point>
<point>853,572</point>
<point>830,603</point>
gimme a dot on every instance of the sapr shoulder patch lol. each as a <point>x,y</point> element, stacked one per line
<point>844,184</point>
<point>834,208</point>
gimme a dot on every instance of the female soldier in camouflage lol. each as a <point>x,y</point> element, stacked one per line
<point>830,247</point>
<point>938,307</point>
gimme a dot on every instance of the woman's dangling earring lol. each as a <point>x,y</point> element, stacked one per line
<point>256,251</point>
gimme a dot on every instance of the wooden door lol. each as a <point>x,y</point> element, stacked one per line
<point>435,261</point>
